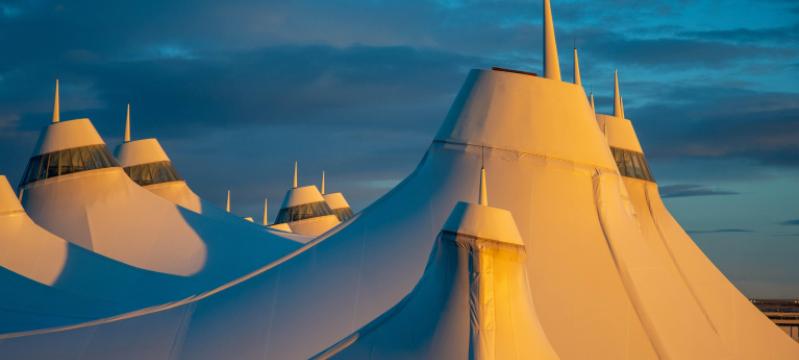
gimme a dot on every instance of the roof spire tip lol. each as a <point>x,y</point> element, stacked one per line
<point>551,65</point>
<point>56,105</point>
<point>127,125</point>
<point>483,196</point>
<point>323,182</point>
<point>618,105</point>
<point>294,183</point>
<point>577,80</point>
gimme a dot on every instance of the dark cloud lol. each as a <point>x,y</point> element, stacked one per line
<point>678,53</point>
<point>783,35</point>
<point>685,190</point>
<point>792,222</point>
<point>719,231</point>
<point>716,123</point>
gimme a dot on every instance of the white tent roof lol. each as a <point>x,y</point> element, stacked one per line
<point>336,200</point>
<point>66,135</point>
<point>472,301</point>
<point>104,211</point>
<point>9,203</point>
<point>740,325</point>
<point>601,289</point>
<point>140,152</point>
<point>565,193</point>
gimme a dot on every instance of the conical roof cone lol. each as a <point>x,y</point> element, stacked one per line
<point>305,210</point>
<point>337,203</point>
<point>64,148</point>
<point>748,332</point>
<point>147,164</point>
<point>551,63</point>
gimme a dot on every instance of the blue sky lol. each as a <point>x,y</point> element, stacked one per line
<point>237,90</point>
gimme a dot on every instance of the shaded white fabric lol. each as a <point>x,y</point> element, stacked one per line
<point>472,302</point>
<point>594,279</point>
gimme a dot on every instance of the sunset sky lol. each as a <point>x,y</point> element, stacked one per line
<point>237,90</point>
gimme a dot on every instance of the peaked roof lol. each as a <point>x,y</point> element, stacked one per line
<point>67,135</point>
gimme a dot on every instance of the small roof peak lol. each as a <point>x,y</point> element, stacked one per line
<point>56,105</point>
<point>618,106</point>
<point>227,204</point>
<point>577,80</point>
<point>323,183</point>
<point>551,64</point>
<point>127,125</point>
<point>295,182</point>
<point>483,196</point>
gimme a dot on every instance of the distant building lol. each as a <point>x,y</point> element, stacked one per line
<point>784,313</point>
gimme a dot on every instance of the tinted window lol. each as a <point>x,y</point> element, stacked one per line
<point>153,173</point>
<point>67,161</point>
<point>343,214</point>
<point>305,211</point>
<point>632,164</point>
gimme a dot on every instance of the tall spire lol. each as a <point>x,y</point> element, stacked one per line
<point>323,182</point>
<point>593,106</point>
<point>551,65</point>
<point>127,125</point>
<point>294,183</point>
<point>618,106</point>
<point>483,191</point>
<point>577,80</point>
<point>266,211</point>
<point>56,105</point>
<point>227,204</point>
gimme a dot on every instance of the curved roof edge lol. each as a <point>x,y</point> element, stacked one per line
<point>67,135</point>
<point>138,152</point>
